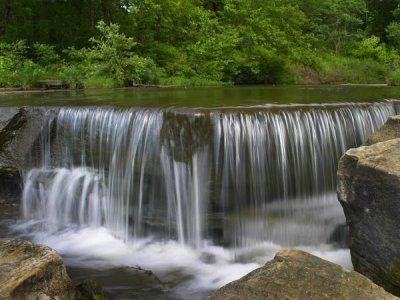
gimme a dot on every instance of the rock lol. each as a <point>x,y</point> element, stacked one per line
<point>20,129</point>
<point>389,131</point>
<point>294,274</point>
<point>6,115</point>
<point>30,271</point>
<point>369,191</point>
<point>10,183</point>
<point>20,134</point>
<point>90,290</point>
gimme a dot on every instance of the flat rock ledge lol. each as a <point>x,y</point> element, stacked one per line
<point>295,274</point>
<point>29,271</point>
<point>369,191</point>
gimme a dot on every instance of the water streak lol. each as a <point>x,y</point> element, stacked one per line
<point>236,177</point>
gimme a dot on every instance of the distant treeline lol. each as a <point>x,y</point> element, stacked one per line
<point>105,43</point>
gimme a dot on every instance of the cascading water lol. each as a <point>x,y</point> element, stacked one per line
<point>232,177</point>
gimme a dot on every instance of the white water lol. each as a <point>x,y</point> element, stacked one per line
<point>207,195</point>
<point>198,271</point>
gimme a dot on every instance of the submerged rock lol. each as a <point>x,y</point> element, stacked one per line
<point>294,274</point>
<point>369,191</point>
<point>30,271</point>
<point>90,290</point>
<point>389,131</point>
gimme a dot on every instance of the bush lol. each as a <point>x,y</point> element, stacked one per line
<point>140,70</point>
<point>15,50</point>
<point>267,67</point>
<point>394,78</point>
<point>112,56</point>
<point>45,55</point>
<point>27,75</point>
<point>23,74</point>
<point>6,73</point>
<point>372,48</point>
<point>73,76</point>
<point>335,69</point>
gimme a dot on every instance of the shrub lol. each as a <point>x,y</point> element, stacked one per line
<point>394,78</point>
<point>28,74</point>
<point>45,55</point>
<point>334,69</point>
<point>73,76</point>
<point>112,56</point>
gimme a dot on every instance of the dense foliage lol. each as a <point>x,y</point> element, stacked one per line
<point>198,42</point>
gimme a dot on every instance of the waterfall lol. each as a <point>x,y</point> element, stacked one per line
<point>235,176</point>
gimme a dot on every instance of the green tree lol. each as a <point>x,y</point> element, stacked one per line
<point>112,54</point>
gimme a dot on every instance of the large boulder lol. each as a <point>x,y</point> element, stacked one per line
<point>294,274</point>
<point>30,271</point>
<point>369,191</point>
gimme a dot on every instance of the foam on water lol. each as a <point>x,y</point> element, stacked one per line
<point>197,271</point>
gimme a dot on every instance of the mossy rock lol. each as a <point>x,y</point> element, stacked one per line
<point>90,290</point>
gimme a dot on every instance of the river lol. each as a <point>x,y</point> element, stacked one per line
<point>199,185</point>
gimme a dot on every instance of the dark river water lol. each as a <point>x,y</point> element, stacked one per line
<point>203,97</point>
<point>171,193</point>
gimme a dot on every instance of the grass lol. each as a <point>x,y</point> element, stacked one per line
<point>191,82</point>
<point>99,82</point>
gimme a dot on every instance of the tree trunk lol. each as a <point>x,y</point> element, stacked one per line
<point>105,7</point>
<point>91,14</point>
<point>6,13</point>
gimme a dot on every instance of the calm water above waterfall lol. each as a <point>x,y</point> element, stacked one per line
<point>204,97</point>
<point>200,196</point>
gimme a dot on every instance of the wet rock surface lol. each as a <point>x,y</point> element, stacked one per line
<point>294,274</point>
<point>19,134</point>
<point>29,271</point>
<point>20,129</point>
<point>89,290</point>
<point>369,191</point>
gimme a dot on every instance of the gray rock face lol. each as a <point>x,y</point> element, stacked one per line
<point>6,115</point>
<point>19,133</point>
<point>20,128</point>
<point>389,131</point>
<point>294,274</point>
<point>30,271</point>
<point>369,191</point>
